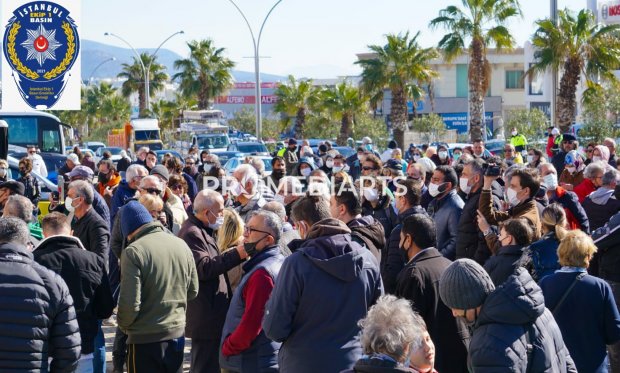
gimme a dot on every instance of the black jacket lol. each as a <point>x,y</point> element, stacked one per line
<point>598,212</point>
<point>504,263</point>
<point>606,262</point>
<point>394,260</point>
<point>368,232</point>
<point>385,213</point>
<point>470,241</point>
<point>37,318</point>
<point>419,283</point>
<point>85,276</point>
<point>94,234</point>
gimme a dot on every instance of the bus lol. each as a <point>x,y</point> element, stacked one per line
<point>36,128</point>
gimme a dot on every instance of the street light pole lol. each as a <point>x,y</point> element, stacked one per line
<point>148,69</point>
<point>97,67</point>
<point>554,71</point>
<point>256,44</point>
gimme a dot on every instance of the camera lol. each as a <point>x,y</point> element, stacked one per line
<point>492,170</point>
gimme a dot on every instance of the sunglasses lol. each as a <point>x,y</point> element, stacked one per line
<point>152,191</point>
<point>177,187</point>
<point>368,168</point>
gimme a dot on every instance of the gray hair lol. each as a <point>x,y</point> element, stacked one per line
<point>272,222</point>
<point>477,165</point>
<point>277,208</point>
<point>83,189</point>
<point>543,166</point>
<point>594,169</point>
<point>390,327</point>
<point>19,207</point>
<point>511,170</point>
<point>258,165</point>
<point>151,179</point>
<point>133,171</point>
<point>610,177</point>
<point>14,230</point>
<point>248,173</point>
<point>205,199</point>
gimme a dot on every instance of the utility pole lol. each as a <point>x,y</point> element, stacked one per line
<point>554,71</point>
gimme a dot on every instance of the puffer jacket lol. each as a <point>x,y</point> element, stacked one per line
<point>504,263</point>
<point>331,270</point>
<point>512,318</point>
<point>600,206</point>
<point>446,213</point>
<point>543,256</point>
<point>368,232</point>
<point>37,318</point>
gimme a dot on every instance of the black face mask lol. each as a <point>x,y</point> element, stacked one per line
<point>250,247</point>
<point>103,178</point>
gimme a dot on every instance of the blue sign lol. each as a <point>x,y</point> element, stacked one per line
<point>418,108</point>
<point>41,44</point>
<point>458,121</point>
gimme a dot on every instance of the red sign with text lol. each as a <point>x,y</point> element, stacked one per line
<point>245,100</point>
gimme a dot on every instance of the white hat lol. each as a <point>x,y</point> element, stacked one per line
<point>73,158</point>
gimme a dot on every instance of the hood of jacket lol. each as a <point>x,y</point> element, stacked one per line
<point>15,251</point>
<point>369,228</point>
<point>601,195</point>
<point>517,301</point>
<point>60,242</point>
<point>328,246</point>
<point>378,363</point>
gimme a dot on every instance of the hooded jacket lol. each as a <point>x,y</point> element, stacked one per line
<point>511,318</point>
<point>385,213</point>
<point>600,206</point>
<point>504,263</point>
<point>323,289</point>
<point>368,232</point>
<point>85,276</point>
<point>543,256</point>
<point>37,318</point>
<point>121,194</point>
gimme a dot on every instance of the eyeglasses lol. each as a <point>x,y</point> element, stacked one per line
<point>249,230</point>
<point>177,187</point>
<point>152,191</point>
<point>589,150</point>
<point>190,163</point>
<point>365,168</point>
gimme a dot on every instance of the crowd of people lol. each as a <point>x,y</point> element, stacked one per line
<point>436,260</point>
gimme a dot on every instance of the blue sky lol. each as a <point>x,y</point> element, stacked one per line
<point>312,38</point>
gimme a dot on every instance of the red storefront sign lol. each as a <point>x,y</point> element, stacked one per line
<point>245,100</point>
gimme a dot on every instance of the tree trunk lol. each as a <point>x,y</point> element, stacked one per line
<point>300,121</point>
<point>478,74</point>
<point>142,102</point>
<point>345,129</point>
<point>399,115</point>
<point>567,99</point>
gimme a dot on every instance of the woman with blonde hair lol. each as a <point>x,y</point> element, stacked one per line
<point>582,305</point>
<point>229,236</point>
<point>155,206</point>
<point>543,253</point>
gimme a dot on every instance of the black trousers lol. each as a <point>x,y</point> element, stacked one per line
<point>119,350</point>
<point>205,356</point>
<point>164,357</point>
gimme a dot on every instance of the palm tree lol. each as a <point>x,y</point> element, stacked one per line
<point>576,46</point>
<point>134,76</point>
<point>345,101</point>
<point>296,98</point>
<point>402,66</point>
<point>205,74</point>
<point>480,25</point>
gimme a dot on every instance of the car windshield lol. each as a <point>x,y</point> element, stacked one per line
<point>252,148</point>
<point>213,141</point>
<point>113,151</point>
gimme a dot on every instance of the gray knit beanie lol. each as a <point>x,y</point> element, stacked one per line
<point>465,285</point>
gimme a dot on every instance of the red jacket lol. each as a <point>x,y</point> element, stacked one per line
<point>584,189</point>
<point>550,143</point>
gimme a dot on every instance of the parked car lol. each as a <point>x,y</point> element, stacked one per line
<point>234,162</point>
<point>249,148</point>
<point>94,145</point>
<point>344,150</point>
<point>115,151</point>
<point>53,162</point>
<point>46,185</point>
<point>223,157</point>
<point>161,153</point>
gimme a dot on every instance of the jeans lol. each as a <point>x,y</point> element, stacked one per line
<point>99,354</point>
<point>85,366</point>
<point>614,350</point>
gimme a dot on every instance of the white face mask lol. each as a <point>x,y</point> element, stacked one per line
<point>551,181</point>
<point>207,168</point>
<point>433,189</point>
<point>305,172</point>
<point>371,195</point>
<point>530,158</point>
<point>514,133</point>
<point>69,204</point>
<point>443,155</point>
<point>513,200</point>
<point>337,168</point>
<point>329,164</point>
<point>463,185</point>
<point>571,169</point>
<point>2,172</point>
<point>219,221</point>
<point>359,157</point>
<point>596,158</point>
<point>279,198</point>
<point>416,157</point>
<point>237,190</point>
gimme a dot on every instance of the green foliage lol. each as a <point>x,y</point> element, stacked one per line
<point>530,123</point>
<point>205,74</point>
<point>321,127</point>
<point>373,127</point>
<point>244,120</point>
<point>596,108</point>
<point>430,126</point>
<point>134,78</point>
<point>271,128</point>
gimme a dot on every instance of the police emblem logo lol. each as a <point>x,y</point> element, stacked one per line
<point>41,44</point>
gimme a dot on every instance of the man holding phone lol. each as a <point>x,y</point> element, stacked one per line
<point>445,209</point>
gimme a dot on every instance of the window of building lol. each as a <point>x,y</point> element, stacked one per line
<point>536,84</point>
<point>462,84</point>
<point>514,79</point>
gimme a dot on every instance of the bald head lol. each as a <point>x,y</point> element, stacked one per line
<point>207,199</point>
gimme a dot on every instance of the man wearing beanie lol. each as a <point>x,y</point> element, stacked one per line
<point>512,329</point>
<point>159,278</point>
<point>290,157</point>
